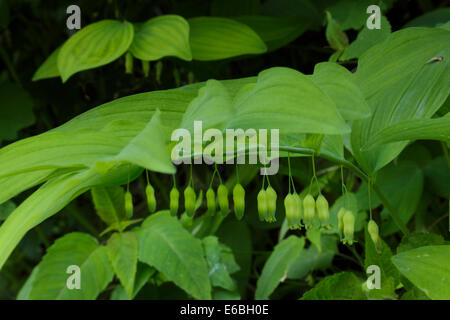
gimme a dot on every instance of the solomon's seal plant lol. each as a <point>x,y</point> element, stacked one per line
<point>362,135</point>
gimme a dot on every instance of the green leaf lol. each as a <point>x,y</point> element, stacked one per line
<point>402,184</point>
<point>350,14</point>
<point>16,111</point>
<point>286,99</point>
<point>95,269</point>
<point>163,36</point>
<point>237,236</point>
<point>149,148</point>
<point>276,267</point>
<point>219,270</point>
<point>276,32</point>
<point>213,38</point>
<point>143,274</point>
<point>86,148</point>
<point>13,185</point>
<point>339,84</point>
<point>337,39</point>
<point>428,268</point>
<point>412,129</point>
<point>311,259</point>
<point>430,19</point>
<point>49,68</point>
<point>24,293</point>
<point>54,195</point>
<point>123,254</point>
<point>366,39</point>
<point>95,45</point>
<point>109,203</point>
<point>167,246</point>
<point>419,239</point>
<point>212,106</point>
<point>339,286</point>
<point>314,236</point>
<point>438,176</point>
<point>399,84</point>
<point>6,209</point>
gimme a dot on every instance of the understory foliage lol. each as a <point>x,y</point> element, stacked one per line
<point>86,176</point>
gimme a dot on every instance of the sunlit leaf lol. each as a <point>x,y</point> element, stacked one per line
<point>95,45</point>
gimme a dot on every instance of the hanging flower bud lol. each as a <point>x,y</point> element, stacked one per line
<point>239,201</point>
<point>189,201</point>
<point>349,227</point>
<point>271,196</point>
<point>290,206</point>
<point>340,216</point>
<point>145,67</point>
<point>211,201</point>
<point>222,195</point>
<point>309,210</point>
<point>322,210</point>
<point>151,200</point>
<point>174,199</point>
<point>372,228</point>
<point>299,207</point>
<point>128,204</point>
<point>128,63</point>
<point>262,204</point>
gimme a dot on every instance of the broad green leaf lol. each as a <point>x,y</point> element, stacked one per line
<point>287,100</point>
<point>138,109</point>
<point>332,145</point>
<point>337,39</point>
<point>314,235</point>
<point>350,14</point>
<point>219,271</point>
<point>276,267</point>
<point>6,209</point>
<point>13,185</point>
<point>50,198</point>
<point>24,293</point>
<point>109,203</point>
<point>16,111</point>
<point>123,254</point>
<point>50,282</point>
<point>213,38</point>
<point>149,148</point>
<point>419,239</point>
<point>428,268</point>
<point>388,273</point>
<point>366,39</point>
<point>163,36</point>
<point>54,150</point>
<point>339,84</point>
<point>167,246</point>
<point>237,236</point>
<point>339,286</point>
<point>412,129</point>
<point>438,176</point>
<point>212,106</point>
<point>276,32</point>
<point>49,68</point>
<point>311,259</point>
<point>143,274</point>
<point>399,84</point>
<point>94,45</point>
<point>430,19</point>
<point>402,185</point>
<point>86,148</point>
